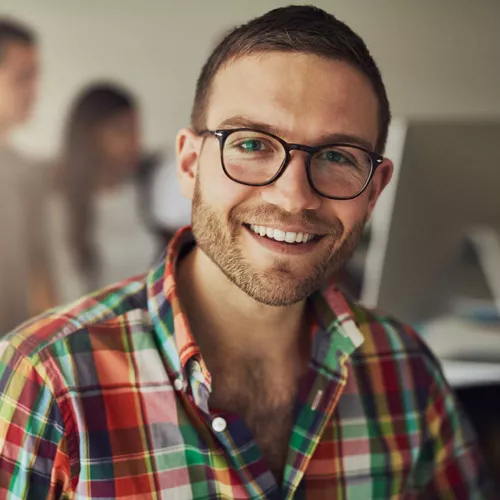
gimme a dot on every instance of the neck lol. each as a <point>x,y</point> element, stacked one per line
<point>225,318</point>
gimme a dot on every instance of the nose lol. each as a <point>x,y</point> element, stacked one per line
<point>292,191</point>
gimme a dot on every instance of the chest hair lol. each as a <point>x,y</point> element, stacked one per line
<point>264,400</point>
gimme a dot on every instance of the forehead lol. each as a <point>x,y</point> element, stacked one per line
<point>15,54</point>
<point>304,96</point>
<point>121,119</point>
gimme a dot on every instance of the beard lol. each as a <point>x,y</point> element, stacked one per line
<point>281,284</point>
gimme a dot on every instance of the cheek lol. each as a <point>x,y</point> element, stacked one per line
<point>350,212</point>
<point>8,95</point>
<point>120,147</point>
<point>113,150</point>
<point>220,191</point>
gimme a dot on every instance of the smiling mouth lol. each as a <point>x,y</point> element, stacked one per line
<point>283,236</point>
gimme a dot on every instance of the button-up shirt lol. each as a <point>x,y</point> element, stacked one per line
<point>108,398</point>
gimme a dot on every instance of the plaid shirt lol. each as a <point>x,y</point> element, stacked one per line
<point>108,399</point>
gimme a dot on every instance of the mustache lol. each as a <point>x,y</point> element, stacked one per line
<point>272,214</point>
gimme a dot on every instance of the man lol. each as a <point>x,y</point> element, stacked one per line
<point>235,368</point>
<point>24,282</point>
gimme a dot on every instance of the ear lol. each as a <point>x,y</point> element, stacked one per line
<point>187,152</point>
<point>380,179</point>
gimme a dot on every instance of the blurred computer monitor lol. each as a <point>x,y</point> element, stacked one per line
<point>447,180</point>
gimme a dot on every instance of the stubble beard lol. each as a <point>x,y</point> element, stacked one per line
<point>277,286</point>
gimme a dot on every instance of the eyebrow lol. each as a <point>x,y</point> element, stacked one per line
<point>336,138</point>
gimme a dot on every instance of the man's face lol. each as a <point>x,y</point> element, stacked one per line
<point>304,99</point>
<point>18,83</point>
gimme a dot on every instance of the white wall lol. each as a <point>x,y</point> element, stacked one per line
<point>439,59</point>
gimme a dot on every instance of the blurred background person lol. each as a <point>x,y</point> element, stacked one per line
<point>25,284</point>
<point>103,230</point>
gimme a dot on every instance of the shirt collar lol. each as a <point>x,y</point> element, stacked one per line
<point>336,334</point>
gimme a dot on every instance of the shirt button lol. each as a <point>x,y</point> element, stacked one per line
<point>178,384</point>
<point>219,424</point>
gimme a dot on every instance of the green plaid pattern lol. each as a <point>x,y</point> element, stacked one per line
<point>108,399</point>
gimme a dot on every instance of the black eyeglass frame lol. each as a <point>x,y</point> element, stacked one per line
<point>223,134</point>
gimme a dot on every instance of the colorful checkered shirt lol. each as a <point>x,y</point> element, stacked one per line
<point>109,399</point>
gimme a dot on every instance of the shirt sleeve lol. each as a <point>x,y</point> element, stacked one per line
<point>449,465</point>
<point>34,459</point>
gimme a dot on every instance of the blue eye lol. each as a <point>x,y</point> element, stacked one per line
<point>336,157</point>
<point>251,145</point>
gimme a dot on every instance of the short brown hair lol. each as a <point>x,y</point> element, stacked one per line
<point>13,31</point>
<point>304,29</point>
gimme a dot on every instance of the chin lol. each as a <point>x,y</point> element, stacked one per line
<point>278,285</point>
<point>281,296</point>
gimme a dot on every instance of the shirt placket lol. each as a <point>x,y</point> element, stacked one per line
<point>236,439</point>
<point>321,392</point>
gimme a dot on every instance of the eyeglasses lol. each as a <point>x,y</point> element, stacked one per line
<point>256,158</point>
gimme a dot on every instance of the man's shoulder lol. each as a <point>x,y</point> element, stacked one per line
<point>394,347</point>
<point>116,305</point>
<point>385,335</point>
<point>26,172</point>
<point>12,156</point>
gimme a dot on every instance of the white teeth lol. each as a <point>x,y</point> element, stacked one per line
<point>278,235</point>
